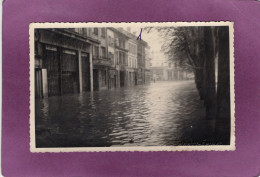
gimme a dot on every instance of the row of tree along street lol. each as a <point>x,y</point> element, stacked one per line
<point>205,51</point>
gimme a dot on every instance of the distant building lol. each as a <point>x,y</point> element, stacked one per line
<point>174,72</point>
<point>158,66</point>
<point>170,71</point>
<point>164,69</point>
<point>158,59</point>
<point>159,73</point>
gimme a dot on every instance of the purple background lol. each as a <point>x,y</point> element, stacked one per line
<point>16,157</point>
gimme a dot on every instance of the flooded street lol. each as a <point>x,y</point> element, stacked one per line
<point>158,114</point>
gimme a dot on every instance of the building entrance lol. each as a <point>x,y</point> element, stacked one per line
<point>85,71</point>
<point>122,78</point>
<point>62,71</point>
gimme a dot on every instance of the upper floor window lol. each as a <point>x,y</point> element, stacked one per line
<point>122,43</point>
<point>71,29</point>
<point>111,57</point>
<point>103,32</point>
<point>122,58</point>
<point>96,31</point>
<point>110,41</point>
<point>117,42</point>
<point>79,30</point>
<point>117,57</point>
<point>95,51</point>
<point>84,31</point>
<point>132,48</point>
<point>103,51</point>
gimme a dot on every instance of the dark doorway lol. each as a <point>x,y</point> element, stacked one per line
<point>95,79</point>
<point>135,78</point>
<point>62,70</point>
<point>115,79</point>
<point>52,64</point>
<point>122,78</point>
<point>69,68</point>
<point>85,71</point>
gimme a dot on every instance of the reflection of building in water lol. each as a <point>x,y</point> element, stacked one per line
<point>75,60</point>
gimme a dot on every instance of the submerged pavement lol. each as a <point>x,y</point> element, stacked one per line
<point>159,114</point>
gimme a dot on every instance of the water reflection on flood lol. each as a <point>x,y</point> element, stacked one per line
<point>147,115</point>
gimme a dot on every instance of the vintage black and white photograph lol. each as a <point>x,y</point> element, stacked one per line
<point>131,86</point>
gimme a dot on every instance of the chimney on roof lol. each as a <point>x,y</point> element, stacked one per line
<point>128,29</point>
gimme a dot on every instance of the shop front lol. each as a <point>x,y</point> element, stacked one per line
<point>62,66</point>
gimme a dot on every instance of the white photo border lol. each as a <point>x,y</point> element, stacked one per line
<point>230,147</point>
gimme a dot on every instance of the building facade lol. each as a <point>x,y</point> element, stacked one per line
<point>132,57</point>
<point>113,81</point>
<point>63,61</point>
<point>121,57</point>
<point>132,63</point>
<point>101,61</point>
<point>75,60</point>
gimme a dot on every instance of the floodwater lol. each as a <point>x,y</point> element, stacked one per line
<point>158,114</point>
